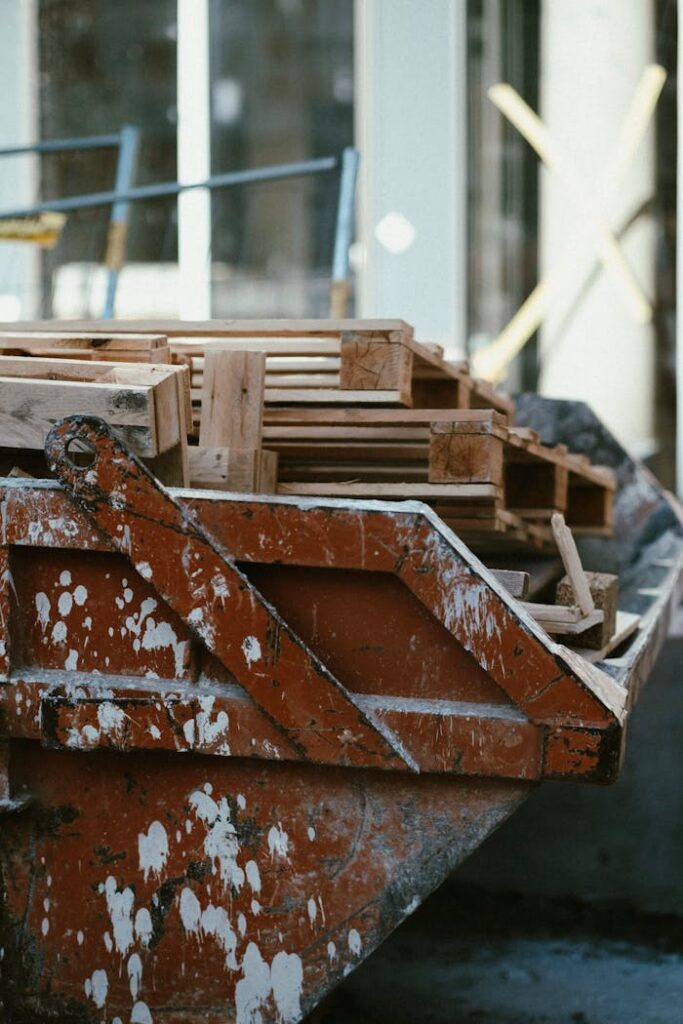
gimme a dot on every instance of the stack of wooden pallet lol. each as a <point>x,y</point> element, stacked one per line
<point>363,410</point>
<point>356,409</point>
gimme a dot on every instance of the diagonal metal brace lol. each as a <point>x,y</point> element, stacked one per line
<point>201,582</point>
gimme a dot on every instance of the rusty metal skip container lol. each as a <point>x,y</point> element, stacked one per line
<point>244,737</point>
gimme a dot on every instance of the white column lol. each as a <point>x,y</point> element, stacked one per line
<point>19,261</point>
<point>679,271</point>
<point>194,160</point>
<point>593,56</point>
<point>410,118</point>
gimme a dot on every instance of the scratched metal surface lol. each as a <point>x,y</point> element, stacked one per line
<point>194,852</point>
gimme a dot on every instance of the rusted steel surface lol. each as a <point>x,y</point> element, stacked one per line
<point>207,591</point>
<point>417,705</point>
<point>207,890</point>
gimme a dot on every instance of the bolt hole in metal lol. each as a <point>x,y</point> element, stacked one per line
<point>79,453</point>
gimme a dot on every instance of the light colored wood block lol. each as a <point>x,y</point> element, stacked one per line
<point>232,400</point>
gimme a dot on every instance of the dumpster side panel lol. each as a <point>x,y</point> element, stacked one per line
<point>204,886</point>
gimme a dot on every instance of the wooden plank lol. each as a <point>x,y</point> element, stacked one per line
<point>425,491</point>
<point>278,364</point>
<point>377,417</point>
<point>233,469</point>
<point>572,564</point>
<point>289,381</point>
<point>28,408</point>
<point>232,400</point>
<point>216,328</point>
<point>101,341</point>
<point>284,347</point>
<point>563,620</point>
<point>626,625</point>
<point>515,582</point>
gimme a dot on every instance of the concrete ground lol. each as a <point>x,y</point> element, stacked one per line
<point>468,957</point>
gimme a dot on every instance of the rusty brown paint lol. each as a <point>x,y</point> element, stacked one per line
<point>211,890</point>
<point>215,599</point>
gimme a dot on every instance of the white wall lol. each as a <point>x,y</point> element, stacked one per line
<point>593,55</point>
<point>19,262</point>
<point>410,130</point>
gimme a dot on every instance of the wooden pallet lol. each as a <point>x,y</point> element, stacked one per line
<point>498,476</point>
<point>357,369</point>
<point>538,481</point>
<point>146,404</point>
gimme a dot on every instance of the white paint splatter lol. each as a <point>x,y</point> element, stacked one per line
<point>251,649</point>
<point>220,844</point>
<point>43,609</point>
<point>153,849</point>
<point>215,922</point>
<point>331,951</point>
<point>287,976</point>
<point>120,907</point>
<point>205,629</point>
<point>106,939</point>
<point>80,595</point>
<point>111,718</point>
<point>65,578</point>
<point>355,943</point>
<point>190,911</point>
<point>312,910</point>
<point>220,587</point>
<point>253,875</point>
<point>278,842</point>
<point>59,632</point>
<point>134,975</point>
<point>242,924</point>
<point>79,938</point>
<point>99,986</point>
<point>163,635</point>
<point>145,570</point>
<point>45,926</point>
<point>241,801</point>
<point>141,1014</point>
<point>65,603</point>
<point>311,833</point>
<point>155,732</point>
<point>253,988</point>
<point>143,926</point>
<point>71,662</point>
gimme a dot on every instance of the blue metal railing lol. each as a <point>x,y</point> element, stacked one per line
<point>126,140</point>
<point>125,193</point>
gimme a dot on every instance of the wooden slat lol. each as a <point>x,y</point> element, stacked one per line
<point>28,408</point>
<point>424,491</point>
<point>232,400</point>
<point>572,564</point>
<point>215,328</point>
